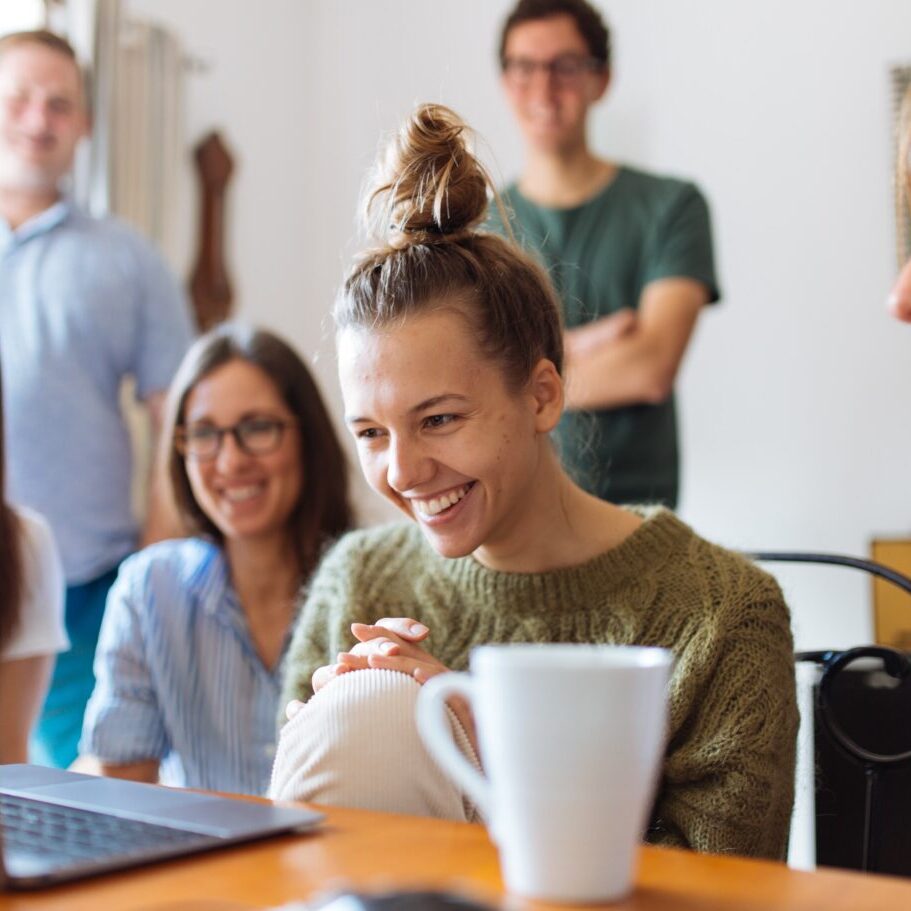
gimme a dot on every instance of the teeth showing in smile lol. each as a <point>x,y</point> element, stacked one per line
<point>239,494</point>
<point>438,504</point>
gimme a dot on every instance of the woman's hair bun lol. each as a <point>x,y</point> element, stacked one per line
<point>429,185</point>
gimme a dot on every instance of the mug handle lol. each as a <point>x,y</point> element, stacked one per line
<point>435,731</point>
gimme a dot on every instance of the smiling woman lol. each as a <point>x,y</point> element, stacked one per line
<point>451,461</point>
<point>450,359</point>
<point>188,664</point>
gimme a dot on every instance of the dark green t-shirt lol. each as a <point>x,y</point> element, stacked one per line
<point>600,256</point>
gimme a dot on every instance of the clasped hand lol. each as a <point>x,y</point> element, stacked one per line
<point>390,643</point>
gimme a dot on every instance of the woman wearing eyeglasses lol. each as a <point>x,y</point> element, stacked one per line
<point>630,254</point>
<point>189,660</point>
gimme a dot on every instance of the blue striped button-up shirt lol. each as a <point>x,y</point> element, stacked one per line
<point>178,678</point>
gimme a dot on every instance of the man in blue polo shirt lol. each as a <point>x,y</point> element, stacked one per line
<point>84,303</point>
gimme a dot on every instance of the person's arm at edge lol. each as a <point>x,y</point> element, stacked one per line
<point>145,770</point>
<point>23,686</point>
<point>607,368</point>
<point>900,299</point>
<point>25,675</point>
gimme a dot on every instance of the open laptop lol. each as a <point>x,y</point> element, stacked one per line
<point>57,826</point>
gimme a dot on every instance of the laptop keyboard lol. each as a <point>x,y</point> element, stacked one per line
<point>33,826</point>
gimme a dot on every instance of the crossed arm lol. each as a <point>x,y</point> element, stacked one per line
<point>632,357</point>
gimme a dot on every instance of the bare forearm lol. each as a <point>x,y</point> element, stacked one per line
<point>23,685</point>
<point>145,770</point>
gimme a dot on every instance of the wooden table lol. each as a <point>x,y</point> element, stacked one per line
<point>356,848</point>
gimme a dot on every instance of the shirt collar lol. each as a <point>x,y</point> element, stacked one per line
<point>211,585</point>
<point>41,223</point>
<point>210,582</point>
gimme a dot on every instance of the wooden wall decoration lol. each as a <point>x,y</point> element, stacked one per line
<point>210,285</point>
<point>901,104</point>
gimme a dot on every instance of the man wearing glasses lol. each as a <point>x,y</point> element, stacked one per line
<point>630,254</point>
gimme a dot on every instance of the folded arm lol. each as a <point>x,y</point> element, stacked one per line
<point>632,358</point>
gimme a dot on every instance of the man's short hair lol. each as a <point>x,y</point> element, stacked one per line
<point>589,22</point>
<point>54,42</point>
<point>38,36</point>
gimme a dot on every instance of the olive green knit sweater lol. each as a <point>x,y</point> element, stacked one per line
<point>728,774</point>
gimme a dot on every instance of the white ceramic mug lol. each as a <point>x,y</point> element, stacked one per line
<point>571,738</point>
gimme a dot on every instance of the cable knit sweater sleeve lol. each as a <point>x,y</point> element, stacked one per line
<point>332,602</point>
<point>728,775</point>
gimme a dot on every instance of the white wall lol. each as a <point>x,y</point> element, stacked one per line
<point>796,429</point>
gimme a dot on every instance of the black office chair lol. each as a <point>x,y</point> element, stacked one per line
<point>862,725</point>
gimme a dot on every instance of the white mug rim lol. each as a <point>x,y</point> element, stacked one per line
<point>560,655</point>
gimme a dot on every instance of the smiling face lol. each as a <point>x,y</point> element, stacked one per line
<point>42,117</point>
<point>550,110</point>
<point>247,497</point>
<point>440,434</point>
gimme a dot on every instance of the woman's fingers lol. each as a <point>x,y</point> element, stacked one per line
<point>421,671</point>
<point>390,643</point>
<point>351,661</point>
<point>322,676</point>
<point>380,646</point>
<point>294,706</point>
<point>411,630</point>
<point>404,627</point>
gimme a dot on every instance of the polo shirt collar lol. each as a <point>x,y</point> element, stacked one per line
<point>41,223</point>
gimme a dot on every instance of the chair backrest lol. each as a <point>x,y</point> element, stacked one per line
<point>853,779</point>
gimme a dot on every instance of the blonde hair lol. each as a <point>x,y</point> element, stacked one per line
<point>425,208</point>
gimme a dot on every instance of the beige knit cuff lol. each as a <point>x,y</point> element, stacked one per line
<point>355,743</point>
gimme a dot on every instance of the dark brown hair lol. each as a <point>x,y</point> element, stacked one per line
<point>12,580</point>
<point>430,195</point>
<point>589,22</point>
<point>323,512</point>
